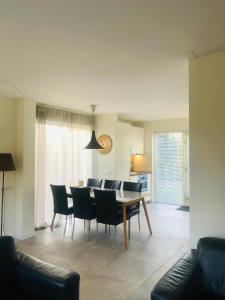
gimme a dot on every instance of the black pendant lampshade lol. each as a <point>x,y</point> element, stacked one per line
<point>93,144</point>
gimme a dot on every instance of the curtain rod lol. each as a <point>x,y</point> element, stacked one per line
<point>64,109</point>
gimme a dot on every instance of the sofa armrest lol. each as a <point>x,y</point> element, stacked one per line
<point>181,281</point>
<point>41,279</point>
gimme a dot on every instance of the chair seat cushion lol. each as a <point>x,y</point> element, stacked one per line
<point>89,214</point>
<point>70,210</point>
<point>93,211</point>
<point>132,212</point>
<point>116,220</point>
<point>134,207</point>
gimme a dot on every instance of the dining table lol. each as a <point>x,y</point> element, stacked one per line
<point>126,199</point>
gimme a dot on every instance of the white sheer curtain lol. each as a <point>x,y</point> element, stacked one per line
<point>60,157</point>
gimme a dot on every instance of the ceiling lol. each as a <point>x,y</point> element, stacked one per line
<point>127,56</point>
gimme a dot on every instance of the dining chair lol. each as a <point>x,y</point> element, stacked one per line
<point>84,206</point>
<point>112,184</point>
<point>133,210</point>
<point>60,203</point>
<point>94,183</point>
<point>107,210</point>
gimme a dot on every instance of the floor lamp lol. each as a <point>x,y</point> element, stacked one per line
<point>6,164</point>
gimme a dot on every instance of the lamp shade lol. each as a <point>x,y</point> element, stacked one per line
<point>93,144</point>
<point>6,162</point>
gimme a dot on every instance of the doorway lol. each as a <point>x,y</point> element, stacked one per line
<point>171,167</point>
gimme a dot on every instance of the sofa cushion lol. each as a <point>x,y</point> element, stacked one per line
<point>7,262</point>
<point>211,255</point>
<point>17,295</point>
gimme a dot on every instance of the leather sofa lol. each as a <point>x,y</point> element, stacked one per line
<point>25,277</point>
<point>200,274</point>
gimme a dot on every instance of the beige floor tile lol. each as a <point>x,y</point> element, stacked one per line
<point>130,268</point>
<point>107,270</point>
<point>97,286</point>
<point>140,293</point>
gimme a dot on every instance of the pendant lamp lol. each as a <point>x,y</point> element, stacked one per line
<point>93,144</point>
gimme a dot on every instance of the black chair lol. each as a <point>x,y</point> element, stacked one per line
<point>200,274</point>
<point>107,210</point>
<point>84,206</point>
<point>60,202</point>
<point>112,184</point>
<point>94,183</point>
<point>132,186</point>
<point>25,277</point>
<point>133,210</point>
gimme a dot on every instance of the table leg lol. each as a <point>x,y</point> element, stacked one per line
<point>53,221</point>
<point>146,215</point>
<point>125,227</point>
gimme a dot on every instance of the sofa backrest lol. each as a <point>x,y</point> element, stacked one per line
<point>7,262</point>
<point>211,255</point>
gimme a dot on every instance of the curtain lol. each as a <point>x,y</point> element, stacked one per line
<point>60,157</point>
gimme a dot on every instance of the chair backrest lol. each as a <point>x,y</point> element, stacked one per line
<point>112,184</point>
<point>59,198</point>
<point>106,206</point>
<point>7,263</point>
<point>94,183</point>
<point>81,202</point>
<point>132,186</point>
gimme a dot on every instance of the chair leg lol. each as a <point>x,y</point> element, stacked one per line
<point>89,228</point>
<point>53,221</point>
<point>84,223</point>
<point>115,231</point>
<point>109,230</point>
<point>139,222</point>
<point>96,233</point>
<point>65,227</point>
<point>73,226</point>
<point>129,225</point>
<point>105,228</point>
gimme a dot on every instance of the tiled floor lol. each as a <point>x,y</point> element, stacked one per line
<point>107,271</point>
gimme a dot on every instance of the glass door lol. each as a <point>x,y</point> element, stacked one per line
<point>170,167</point>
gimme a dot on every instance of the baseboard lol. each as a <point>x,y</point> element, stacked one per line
<point>24,236</point>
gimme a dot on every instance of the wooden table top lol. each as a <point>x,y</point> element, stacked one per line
<point>124,197</point>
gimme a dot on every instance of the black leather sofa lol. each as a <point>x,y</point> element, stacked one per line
<point>25,277</point>
<point>198,275</point>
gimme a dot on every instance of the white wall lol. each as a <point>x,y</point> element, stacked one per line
<point>25,175</point>
<point>207,147</point>
<point>17,136</point>
<point>115,164</point>
<point>124,139</point>
<point>104,166</point>
<point>8,119</point>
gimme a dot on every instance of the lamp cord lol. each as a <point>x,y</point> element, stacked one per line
<point>2,204</point>
<point>93,107</point>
